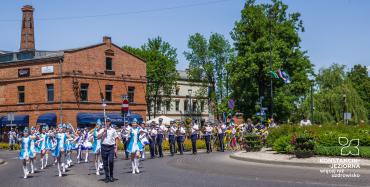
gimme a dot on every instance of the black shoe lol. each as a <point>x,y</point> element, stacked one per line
<point>106,180</point>
<point>111,179</point>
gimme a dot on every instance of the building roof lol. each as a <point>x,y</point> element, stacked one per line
<point>11,57</point>
<point>183,74</point>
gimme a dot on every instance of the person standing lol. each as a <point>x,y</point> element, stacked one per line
<point>221,129</point>
<point>305,122</point>
<point>125,138</point>
<point>208,136</point>
<point>26,153</point>
<point>194,137</point>
<point>181,137</point>
<point>109,137</point>
<point>161,130</point>
<point>152,140</point>
<point>172,137</point>
<point>12,137</point>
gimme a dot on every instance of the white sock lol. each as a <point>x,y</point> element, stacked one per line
<point>25,170</point>
<point>59,172</point>
<point>32,169</point>
<point>133,166</point>
<point>87,155</point>
<point>46,159</point>
<point>143,155</point>
<point>136,165</point>
<point>42,163</point>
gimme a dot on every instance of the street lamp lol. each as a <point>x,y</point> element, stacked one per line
<point>190,91</point>
<point>345,120</point>
<point>312,81</point>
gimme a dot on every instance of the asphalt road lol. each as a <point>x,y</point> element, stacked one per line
<point>215,169</point>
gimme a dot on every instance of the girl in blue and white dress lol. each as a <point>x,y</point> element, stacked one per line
<point>96,146</point>
<point>42,146</point>
<point>60,147</point>
<point>144,139</point>
<point>135,146</point>
<point>48,145</point>
<point>78,141</point>
<point>35,148</point>
<point>69,145</point>
<point>26,154</point>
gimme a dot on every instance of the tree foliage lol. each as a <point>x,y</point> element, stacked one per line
<point>361,82</point>
<point>161,60</point>
<point>207,62</point>
<point>261,29</point>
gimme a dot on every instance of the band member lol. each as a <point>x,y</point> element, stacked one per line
<point>48,145</point>
<point>181,137</point>
<point>208,136</point>
<point>194,137</point>
<point>109,137</point>
<point>221,129</point>
<point>60,147</point>
<point>34,146</point>
<point>161,130</point>
<point>143,138</point>
<point>26,154</point>
<point>125,136</point>
<point>135,146</point>
<point>172,137</point>
<point>42,145</point>
<point>96,146</point>
<point>152,140</point>
<point>86,146</point>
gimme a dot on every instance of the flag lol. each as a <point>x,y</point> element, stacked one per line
<point>274,75</point>
<point>283,75</point>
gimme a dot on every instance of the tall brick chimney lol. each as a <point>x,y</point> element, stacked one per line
<point>28,34</point>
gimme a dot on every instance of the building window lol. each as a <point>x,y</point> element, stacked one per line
<point>177,90</point>
<point>108,64</point>
<point>108,93</point>
<point>194,106</point>
<point>202,106</point>
<point>177,104</point>
<point>185,105</point>
<point>168,105</point>
<point>131,94</point>
<point>158,105</point>
<point>50,92</point>
<point>21,94</point>
<point>84,92</point>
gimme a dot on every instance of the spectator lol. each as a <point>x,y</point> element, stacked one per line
<point>305,122</point>
<point>12,137</point>
<point>272,123</point>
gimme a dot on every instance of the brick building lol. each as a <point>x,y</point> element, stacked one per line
<point>68,85</point>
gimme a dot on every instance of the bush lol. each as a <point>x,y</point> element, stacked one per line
<point>253,142</point>
<point>283,145</point>
<point>4,145</point>
<point>336,151</point>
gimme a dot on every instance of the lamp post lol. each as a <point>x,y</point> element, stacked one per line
<point>190,91</point>
<point>312,81</point>
<point>345,120</point>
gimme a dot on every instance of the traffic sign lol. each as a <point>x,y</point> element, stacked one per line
<point>231,103</point>
<point>125,106</point>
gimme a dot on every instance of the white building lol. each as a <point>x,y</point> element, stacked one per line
<point>189,100</point>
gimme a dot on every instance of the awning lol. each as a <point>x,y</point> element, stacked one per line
<point>116,118</point>
<point>47,119</point>
<point>19,120</point>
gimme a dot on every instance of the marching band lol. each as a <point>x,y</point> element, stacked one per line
<point>103,140</point>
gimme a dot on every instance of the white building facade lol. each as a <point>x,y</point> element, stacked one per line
<point>189,100</point>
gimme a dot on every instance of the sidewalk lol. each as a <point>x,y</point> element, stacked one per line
<point>267,156</point>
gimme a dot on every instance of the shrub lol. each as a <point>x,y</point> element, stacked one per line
<point>252,142</point>
<point>283,145</point>
<point>4,145</point>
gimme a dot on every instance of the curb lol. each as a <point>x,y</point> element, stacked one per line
<point>274,162</point>
<point>2,161</point>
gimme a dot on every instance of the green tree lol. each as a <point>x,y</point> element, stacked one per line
<point>336,95</point>
<point>268,31</point>
<point>207,62</point>
<point>161,60</point>
<point>361,82</point>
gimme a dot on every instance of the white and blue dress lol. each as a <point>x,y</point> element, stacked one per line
<point>135,143</point>
<point>96,146</point>
<point>60,144</point>
<point>26,149</point>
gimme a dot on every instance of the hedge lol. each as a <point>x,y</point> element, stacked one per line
<point>324,136</point>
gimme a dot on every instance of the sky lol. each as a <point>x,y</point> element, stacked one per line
<point>336,31</point>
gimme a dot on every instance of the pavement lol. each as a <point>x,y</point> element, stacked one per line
<point>206,170</point>
<point>267,156</point>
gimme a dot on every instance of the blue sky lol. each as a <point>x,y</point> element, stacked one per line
<point>336,30</point>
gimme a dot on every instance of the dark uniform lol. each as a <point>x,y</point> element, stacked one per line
<point>194,137</point>
<point>181,138</point>
<point>161,130</point>
<point>172,138</point>
<point>221,134</point>
<point>152,140</point>
<point>208,137</point>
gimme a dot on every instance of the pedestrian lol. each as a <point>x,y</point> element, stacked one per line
<point>161,130</point>
<point>152,140</point>
<point>12,137</point>
<point>172,137</point>
<point>208,136</point>
<point>26,154</point>
<point>125,136</point>
<point>135,146</point>
<point>109,137</point>
<point>221,129</point>
<point>181,137</point>
<point>194,137</point>
<point>305,122</point>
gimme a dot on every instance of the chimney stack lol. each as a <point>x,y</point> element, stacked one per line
<point>107,40</point>
<point>27,35</point>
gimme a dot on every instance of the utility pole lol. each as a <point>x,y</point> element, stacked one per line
<point>270,61</point>
<point>312,120</point>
